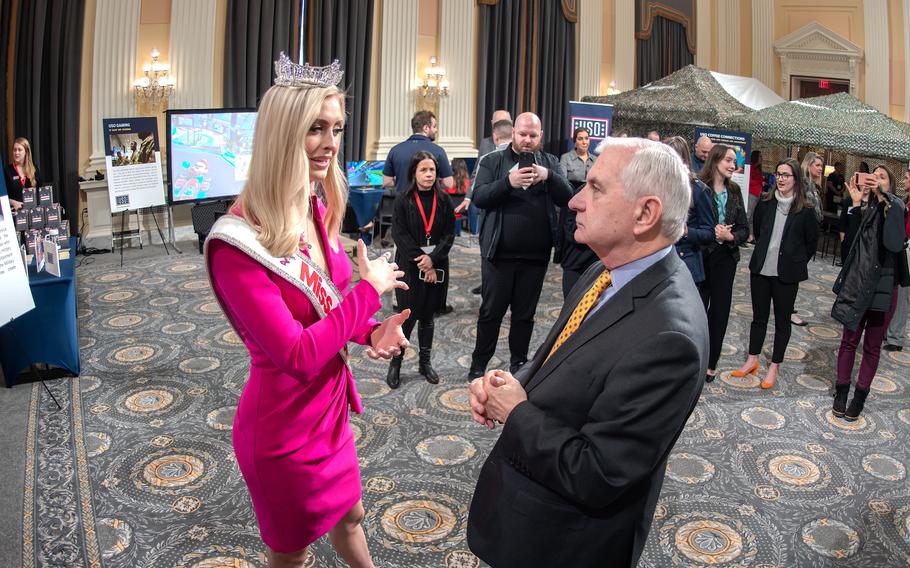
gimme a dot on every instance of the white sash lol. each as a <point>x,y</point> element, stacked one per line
<point>299,270</point>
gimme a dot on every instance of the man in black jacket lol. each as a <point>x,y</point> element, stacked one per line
<point>516,238</point>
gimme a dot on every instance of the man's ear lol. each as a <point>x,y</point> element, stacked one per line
<point>648,212</point>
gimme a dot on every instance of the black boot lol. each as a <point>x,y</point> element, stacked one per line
<point>840,399</point>
<point>393,377</point>
<point>856,405</point>
<point>425,339</point>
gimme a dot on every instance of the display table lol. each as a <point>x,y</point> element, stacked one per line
<point>46,334</point>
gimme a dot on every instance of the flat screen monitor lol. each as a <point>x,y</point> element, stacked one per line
<point>208,153</point>
<point>365,174</point>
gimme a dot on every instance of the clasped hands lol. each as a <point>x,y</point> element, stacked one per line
<point>723,233</point>
<point>387,340</point>
<point>425,265</point>
<point>493,397</point>
<point>526,177</point>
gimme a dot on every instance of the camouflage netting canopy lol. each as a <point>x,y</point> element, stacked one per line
<point>839,122</point>
<point>675,104</point>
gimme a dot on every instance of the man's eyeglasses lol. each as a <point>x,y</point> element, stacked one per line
<point>784,176</point>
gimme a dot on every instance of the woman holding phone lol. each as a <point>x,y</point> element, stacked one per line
<point>866,290</point>
<point>731,229</point>
<point>423,228</point>
<point>786,234</point>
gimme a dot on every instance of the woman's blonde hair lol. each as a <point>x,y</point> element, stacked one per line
<point>28,166</point>
<point>276,197</point>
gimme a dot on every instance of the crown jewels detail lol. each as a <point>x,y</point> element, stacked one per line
<point>289,74</point>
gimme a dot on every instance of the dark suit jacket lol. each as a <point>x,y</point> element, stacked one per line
<point>575,475</point>
<point>700,232</point>
<point>797,244</point>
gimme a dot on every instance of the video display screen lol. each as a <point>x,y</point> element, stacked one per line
<point>208,153</point>
<point>364,174</point>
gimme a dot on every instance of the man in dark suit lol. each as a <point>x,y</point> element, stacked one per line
<point>589,423</point>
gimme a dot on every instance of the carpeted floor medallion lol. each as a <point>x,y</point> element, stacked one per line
<point>138,470</point>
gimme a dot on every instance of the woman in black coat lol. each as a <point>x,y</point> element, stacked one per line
<point>423,228</point>
<point>20,173</point>
<point>699,229</point>
<point>786,234</point>
<point>731,229</point>
<point>866,291</point>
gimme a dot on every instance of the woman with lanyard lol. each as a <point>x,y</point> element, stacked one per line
<point>423,228</point>
<point>786,234</point>
<point>282,278</point>
<point>731,229</point>
<point>866,290</point>
<point>20,173</point>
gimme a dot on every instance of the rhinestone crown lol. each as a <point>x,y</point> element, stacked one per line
<point>289,74</point>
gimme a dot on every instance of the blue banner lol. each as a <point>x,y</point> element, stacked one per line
<point>597,118</point>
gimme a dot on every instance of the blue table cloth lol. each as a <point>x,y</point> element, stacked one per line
<point>46,334</point>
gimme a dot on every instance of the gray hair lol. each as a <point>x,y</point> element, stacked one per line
<point>655,169</point>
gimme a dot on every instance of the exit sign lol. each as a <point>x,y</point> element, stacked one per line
<point>824,84</point>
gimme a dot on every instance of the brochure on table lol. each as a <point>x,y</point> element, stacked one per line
<point>133,159</point>
<point>14,289</point>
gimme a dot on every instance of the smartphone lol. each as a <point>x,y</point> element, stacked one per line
<point>525,160</point>
<point>440,276</point>
<point>868,180</point>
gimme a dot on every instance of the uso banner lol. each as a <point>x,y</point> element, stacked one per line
<point>596,117</point>
<point>741,142</point>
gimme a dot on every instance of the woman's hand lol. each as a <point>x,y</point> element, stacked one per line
<point>722,232</point>
<point>379,272</point>
<point>429,276</point>
<point>856,194</point>
<point>424,262</point>
<point>387,340</point>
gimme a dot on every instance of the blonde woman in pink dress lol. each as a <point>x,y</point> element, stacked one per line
<point>282,278</point>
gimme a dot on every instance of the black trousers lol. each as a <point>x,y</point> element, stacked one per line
<point>507,283</point>
<point>717,295</point>
<point>766,289</point>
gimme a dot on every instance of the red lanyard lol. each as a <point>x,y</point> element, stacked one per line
<point>427,225</point>
<point>22,178</point>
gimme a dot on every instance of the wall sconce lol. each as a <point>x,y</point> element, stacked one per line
<point>155,87</point>
<point>435,84</point>
<point>611,89</point>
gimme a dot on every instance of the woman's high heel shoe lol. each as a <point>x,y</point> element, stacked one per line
<point>742,372</point>
<point>771,378</point>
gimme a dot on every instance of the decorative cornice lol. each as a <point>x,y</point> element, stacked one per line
<point>816,39</point>
<point>653,9</point>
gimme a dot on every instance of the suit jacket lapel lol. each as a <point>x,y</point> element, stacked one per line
<point>615,309</point>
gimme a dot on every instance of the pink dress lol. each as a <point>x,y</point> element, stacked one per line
<point>292,437</point>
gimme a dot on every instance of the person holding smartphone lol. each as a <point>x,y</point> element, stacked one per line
<point>866,290</point>
<point>423,228</point>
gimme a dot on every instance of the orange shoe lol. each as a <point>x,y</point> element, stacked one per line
<point>742,372</point>
<point>771,378</point>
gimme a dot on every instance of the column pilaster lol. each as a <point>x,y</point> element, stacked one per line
<point>397,73</point>
<point>590,47</point>
<point>762,41</point>
<point>728,38</point>
<point>703,33</point>
<point>624,44</point>
<point>875,22</point>
<point>192,55</point>
<point>114,67</point>
<point>457,48</point>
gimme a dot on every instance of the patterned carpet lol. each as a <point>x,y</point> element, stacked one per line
<point>137,470</point>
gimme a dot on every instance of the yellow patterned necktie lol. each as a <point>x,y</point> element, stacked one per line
<point>581,310</point>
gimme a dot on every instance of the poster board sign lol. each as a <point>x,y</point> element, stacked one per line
<point>741,142</point>
<point>14,288</point>
<point>133,159</point>
<point>596,117</point>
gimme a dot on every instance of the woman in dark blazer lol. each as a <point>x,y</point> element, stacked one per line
<point>423,227</point>
<point>20,173</point>
<point>699,230</point>
<point>786,234</point>
<point>731,229</point>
